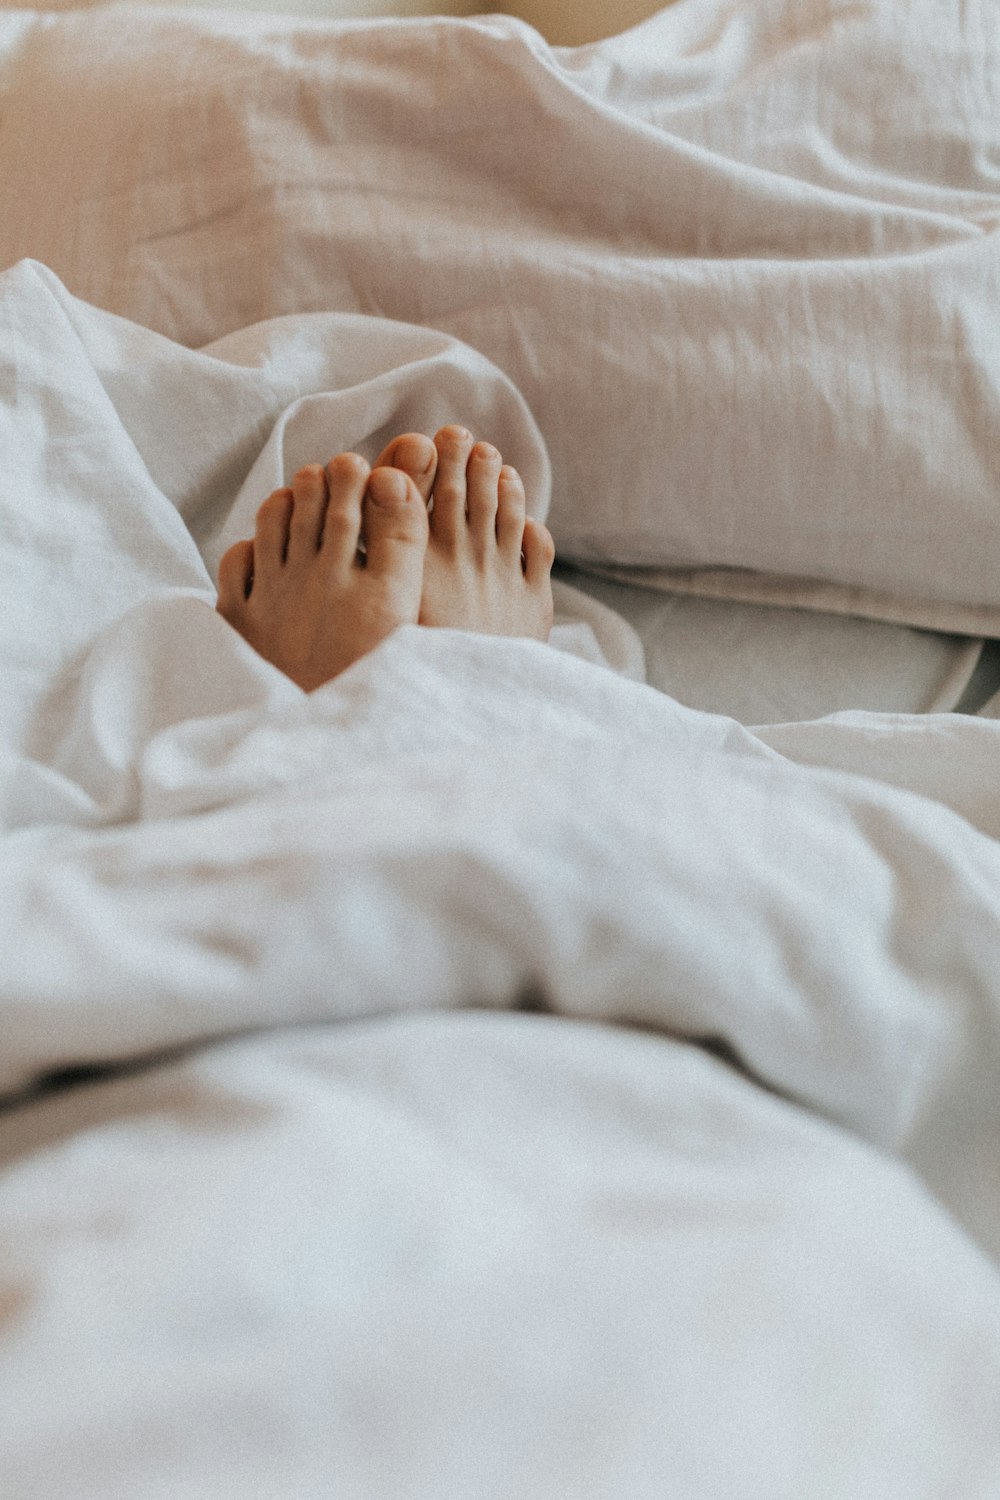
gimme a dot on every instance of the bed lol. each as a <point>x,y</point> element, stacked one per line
<point>565,1071</point>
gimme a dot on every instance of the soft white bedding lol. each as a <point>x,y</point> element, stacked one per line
<point>761,663</point>
<point>410,1251</point>
<point>747,290</point>
<point>484,1076</point>
<point>156,189</point>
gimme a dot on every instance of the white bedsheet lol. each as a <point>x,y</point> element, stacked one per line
<point>343,1235</point>
<point>760,664</point>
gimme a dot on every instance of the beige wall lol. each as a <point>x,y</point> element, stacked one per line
<point>354,9</point>
<point>570,22</point>
<point>564,22</point>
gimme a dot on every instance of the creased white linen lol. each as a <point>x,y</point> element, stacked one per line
<point>763,665</point>
<point>131,463</point>
<point>446,773</point>
<point>489,1255</point>
<point>411,836</point>
<point>741,261</point>
<point>204,1263</point>
<point>329,1260</point>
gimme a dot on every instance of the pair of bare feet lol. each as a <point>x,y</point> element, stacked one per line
<point>348,553</point>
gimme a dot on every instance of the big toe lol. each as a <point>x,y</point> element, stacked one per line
<point>394,527</point>
<point>235,579</point>
<point>416,457</point>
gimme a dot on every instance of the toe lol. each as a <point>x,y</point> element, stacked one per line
<point>271,534</point>
<point>539,553</point>
<point>394,527</point>
<point>448,520</point>
<point>235,578</point>
<point>510,513</point>
<point>416,456</point>
<point>482,479</point>
<point>305,529</point>
<point>346,478</point>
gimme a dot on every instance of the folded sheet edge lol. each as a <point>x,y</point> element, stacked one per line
<point>743,586</point>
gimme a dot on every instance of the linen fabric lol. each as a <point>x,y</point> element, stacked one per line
<point>741,261</point>
<point>479,1050</point>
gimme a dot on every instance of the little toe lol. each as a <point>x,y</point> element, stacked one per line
<point>235,578</point>
<point>482,480</point>
<point>510,513</point>
<point>346,478</point>
<point>416,456</point>
<point>271,533</point>
<point>395,528</point>
<point>305,529</point>
<point>539,553</point>
<point>448,518</point>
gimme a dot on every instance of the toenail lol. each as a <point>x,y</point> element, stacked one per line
<point>486,452</point>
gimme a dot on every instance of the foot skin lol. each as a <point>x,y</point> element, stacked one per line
<point>302,594</point>
<point>487,566</point>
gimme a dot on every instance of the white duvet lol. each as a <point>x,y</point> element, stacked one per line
<point>529,1086</point>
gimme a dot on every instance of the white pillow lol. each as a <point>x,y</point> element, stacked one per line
<point>742,261</point>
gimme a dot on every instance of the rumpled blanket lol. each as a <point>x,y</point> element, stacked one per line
<point>524,1084</point>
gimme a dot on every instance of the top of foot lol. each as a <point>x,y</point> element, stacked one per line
<point>488,566</point>
<point>336,564</point>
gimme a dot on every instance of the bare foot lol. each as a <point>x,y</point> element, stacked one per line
<point>487,566</point>
<point>301,592</point>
